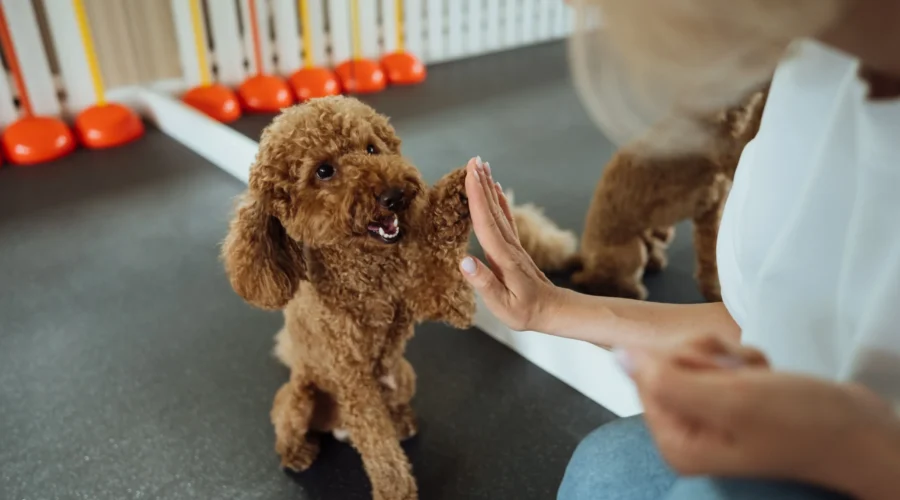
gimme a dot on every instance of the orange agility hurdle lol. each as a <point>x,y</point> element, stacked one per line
<point>261,92</point>
<point>30,139</point>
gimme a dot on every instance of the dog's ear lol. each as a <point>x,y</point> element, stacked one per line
<point>263,263</point>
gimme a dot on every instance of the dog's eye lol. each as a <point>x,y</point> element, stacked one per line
<point>371,149</point>
<point>325,171</point>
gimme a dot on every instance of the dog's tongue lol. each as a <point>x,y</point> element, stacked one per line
<point>390,224</point>
<point>387,223</point>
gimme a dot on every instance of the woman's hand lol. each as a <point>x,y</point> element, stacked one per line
<point>714,408</point>
<point>513,288</point>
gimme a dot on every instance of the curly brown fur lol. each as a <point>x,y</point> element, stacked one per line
<point>312,247</point>
<point>639,198</point>
<point>549,246</point>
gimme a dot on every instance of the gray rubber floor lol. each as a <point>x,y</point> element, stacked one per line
<point>129,369</point>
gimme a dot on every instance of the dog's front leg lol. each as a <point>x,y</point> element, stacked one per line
<point>443,294</point>
<point>366,416</point>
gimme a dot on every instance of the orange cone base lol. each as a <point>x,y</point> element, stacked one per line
<point>361,76</point>
<point>310,83</point>
<point>37,139</point>
<point>108,126</point>
<point>216,101</point>
<point>265,94</point>
<point>403,68</point>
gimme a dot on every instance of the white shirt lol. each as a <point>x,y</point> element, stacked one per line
<point>809,245</point>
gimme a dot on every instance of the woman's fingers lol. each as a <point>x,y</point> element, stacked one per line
<point>490,191</point>
<point>492,290</point>
<point>484,222</point>
<point>507,210</point>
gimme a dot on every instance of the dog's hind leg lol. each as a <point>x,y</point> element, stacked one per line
<point>706,232</point>
<point>291,415</point>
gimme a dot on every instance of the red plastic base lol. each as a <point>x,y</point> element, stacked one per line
<point>37,139</point>
<point>403,68</point>
<point>265,94</point>
<point>108,126</point>
<point>310,83</point>
<point>216,101</point>
<point>361,76</point>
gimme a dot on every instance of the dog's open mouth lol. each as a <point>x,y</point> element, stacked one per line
<point>386,229</point>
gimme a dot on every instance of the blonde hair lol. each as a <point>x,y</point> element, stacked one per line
<point>653,73</point>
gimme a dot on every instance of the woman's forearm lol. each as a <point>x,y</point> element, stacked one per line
<point>608,322</point>
<point>868,467</point>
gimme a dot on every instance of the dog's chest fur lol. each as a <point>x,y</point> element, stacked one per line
<point>372,287</point>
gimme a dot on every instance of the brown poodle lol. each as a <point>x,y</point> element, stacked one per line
<point>340,232</point>
<point>638,200</point>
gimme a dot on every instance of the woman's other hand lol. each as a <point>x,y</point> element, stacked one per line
<point>714,408</point>
<point>512,286</point>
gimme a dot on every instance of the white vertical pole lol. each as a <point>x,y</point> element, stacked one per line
<point>412,20</point>
<point>184,35</point>
<point>368,29</point>
<point>73,64</point>
<point>227,43</point>
<point>265,43</point>
<point>560,24</point>
<point>545,10</point>
<point>529,30</point>
<point>492,25</point>
<point>512,26</point>
<point>389,25</point>
<point>26,37</point>
<point>319,37</point>
<point>287,35</point>
<point>7,110</point>
<point>455,26</point>
<point>339,21</point>
<point>436,51</point>
<point>475,35</point>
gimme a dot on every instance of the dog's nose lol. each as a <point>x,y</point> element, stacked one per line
<point>392,199</point>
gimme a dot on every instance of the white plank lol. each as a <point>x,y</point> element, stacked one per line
<point>227,43</point>
<point>184,35</point>
<point>528,10</point>
<point>26,38</point>
<point>389,25</point>
<point>413,19</point>
<point>368,29</point>
<point>7,109</point>
<point>318,38</point>
<point>455,29</point>
<point>287,35</point>
<point>341,36</point>
<point>492,25</point>
<point>73,64</point>
<point>475,39</point>
<point>435,31</point>
<point>511,25</point>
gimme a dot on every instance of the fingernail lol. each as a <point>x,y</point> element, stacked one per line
<point>729,362</point>
<point>468,265</point>
<point>487,167</point>
<point>478,162</point>
<point>499,186</point>
<point>477,177</point>
<point>624,359</point>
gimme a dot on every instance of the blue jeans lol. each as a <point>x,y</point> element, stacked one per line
<point>619,461</point>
